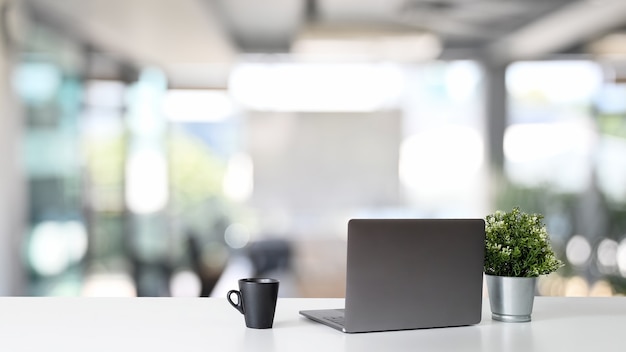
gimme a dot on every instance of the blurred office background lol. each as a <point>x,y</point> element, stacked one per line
<point>169,147</point>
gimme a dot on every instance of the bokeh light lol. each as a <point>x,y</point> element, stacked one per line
<point>185,283</point>
<point>578,250</point>
<point>109,285</point>
<point>431,161</point>
<point>607,254</point>
<point>55,245</point>
<point>237,236</point>
<point>146,182</point>
<point>316,86</point>
<point>576,286</point>
<point>601,288</point>
<point>621,257</point>
<point>239,179</point>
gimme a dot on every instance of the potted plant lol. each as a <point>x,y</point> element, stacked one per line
<point>517,251</point>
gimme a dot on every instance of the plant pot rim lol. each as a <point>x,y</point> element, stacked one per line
<point>513,277</point>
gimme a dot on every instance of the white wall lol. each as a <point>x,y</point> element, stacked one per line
<point>315,170</point>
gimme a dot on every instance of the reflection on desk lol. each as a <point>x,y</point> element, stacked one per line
<point>210,324</point>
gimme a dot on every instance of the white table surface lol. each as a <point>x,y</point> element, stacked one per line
<point>211,324</point>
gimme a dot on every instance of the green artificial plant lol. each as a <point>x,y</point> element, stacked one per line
<point>517,245</point>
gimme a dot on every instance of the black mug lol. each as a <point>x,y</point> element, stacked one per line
<point>256,300</point>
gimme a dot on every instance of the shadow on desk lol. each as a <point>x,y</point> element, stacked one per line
<point>257,340</point>
<point>287,324</point>
<point>438,339</point>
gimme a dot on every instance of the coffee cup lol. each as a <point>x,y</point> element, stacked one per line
<point>256,300</point>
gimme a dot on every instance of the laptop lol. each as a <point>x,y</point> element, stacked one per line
<point>410,274</point>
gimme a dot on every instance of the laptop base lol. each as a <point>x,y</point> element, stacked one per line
<point>329,317</point>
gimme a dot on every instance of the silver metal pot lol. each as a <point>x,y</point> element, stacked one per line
<point>511,298</point>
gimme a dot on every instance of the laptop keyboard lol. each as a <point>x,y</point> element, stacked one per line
<point>339,318</point>
<point>336,320</point>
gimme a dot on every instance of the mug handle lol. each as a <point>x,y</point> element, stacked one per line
<point>239,305</point>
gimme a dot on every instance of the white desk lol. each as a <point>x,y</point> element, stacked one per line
<point>211,324</point>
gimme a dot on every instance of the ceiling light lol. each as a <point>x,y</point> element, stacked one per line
<point>380,44</point>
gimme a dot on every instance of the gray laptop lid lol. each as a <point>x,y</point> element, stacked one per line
<point>413,273</point>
